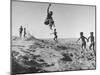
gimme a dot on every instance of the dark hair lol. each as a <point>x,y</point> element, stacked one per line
<point>81,33</point>
<point>91,33</point>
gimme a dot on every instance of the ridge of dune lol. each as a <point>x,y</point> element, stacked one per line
<point>44,55</point>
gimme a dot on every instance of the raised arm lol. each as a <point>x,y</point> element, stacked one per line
<point>48,8</point>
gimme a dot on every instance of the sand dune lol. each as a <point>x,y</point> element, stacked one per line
<point>33,55</point>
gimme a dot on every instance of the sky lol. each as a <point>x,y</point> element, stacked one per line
<point>69,19</point>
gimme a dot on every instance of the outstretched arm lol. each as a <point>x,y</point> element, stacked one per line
<point>78,40</point>
<point>48,8</point>
<point>86,38</point>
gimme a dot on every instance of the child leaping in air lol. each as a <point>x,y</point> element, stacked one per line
<point>83,40</point>
<point>49,20</point>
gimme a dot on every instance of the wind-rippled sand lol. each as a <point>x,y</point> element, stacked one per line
<point>31,55</point>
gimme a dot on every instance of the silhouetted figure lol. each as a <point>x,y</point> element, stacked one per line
<point>24,32</point>
<point>55,35</point>
<point>20,31</point>
<point>83,40</point>
<point>91,37</point>
<point>49,20</point>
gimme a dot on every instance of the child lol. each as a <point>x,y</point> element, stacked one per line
<point>24,32</point>
<point>91,37</point>
<point>49,20</point>
<point>55,34</point>
<point>83,40</point>
<point>20,31</point>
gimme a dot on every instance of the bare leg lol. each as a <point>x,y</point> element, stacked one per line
<point>94,49</point>
<point>85,47</point>
<point>50,27</point>
<point>82,48</point>
<point>53,25</point>
<point>50,24</point>
<point>90,46</point>
<point>20,34</point>
<point>54,39</point>
<point>93,46</point>
<point>24,35</point>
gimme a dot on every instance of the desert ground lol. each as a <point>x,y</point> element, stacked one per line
<point>33,55</point>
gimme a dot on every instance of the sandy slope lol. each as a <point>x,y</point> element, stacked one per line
<point>35,55</point>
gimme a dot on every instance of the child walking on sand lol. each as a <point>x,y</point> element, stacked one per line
<point>83,39</point>
<point>91,37</point>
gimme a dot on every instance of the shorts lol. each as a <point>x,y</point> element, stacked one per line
<point>84,44</point>
<point>48,21</point>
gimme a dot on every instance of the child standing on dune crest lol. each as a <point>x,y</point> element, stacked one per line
<point>55,35</point>
<point>24,32</point>
<point>20,31</point>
